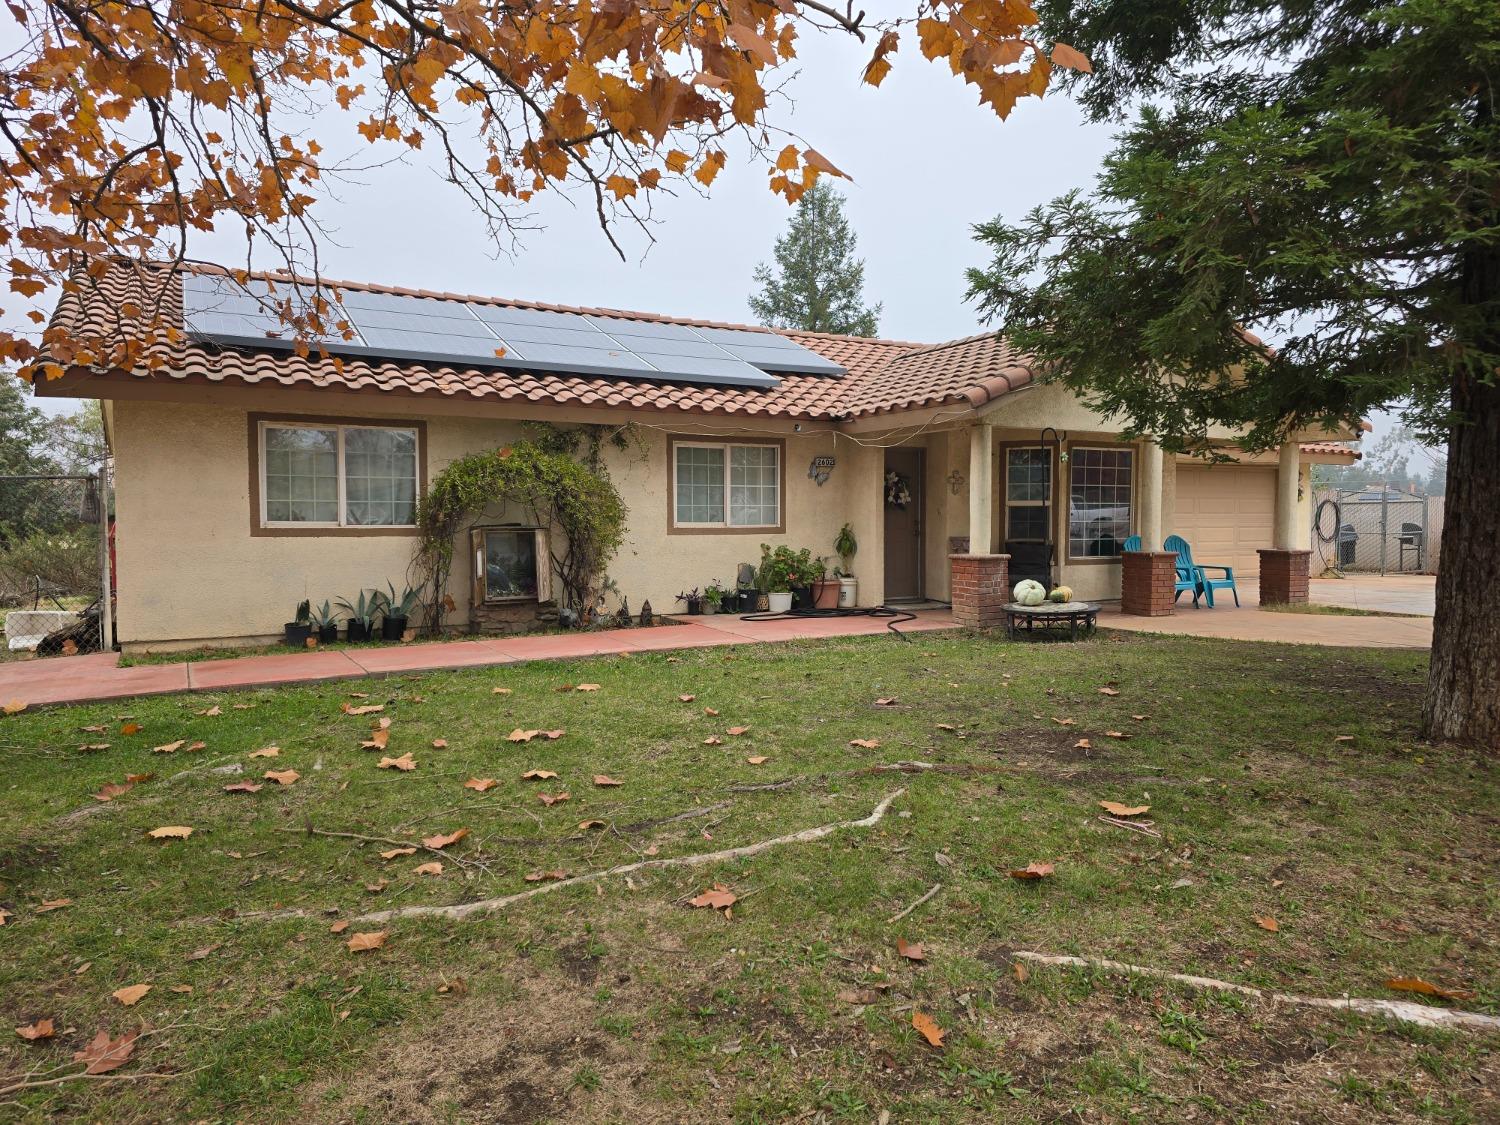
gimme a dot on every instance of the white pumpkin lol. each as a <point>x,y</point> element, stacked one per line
<point>1029,592</point>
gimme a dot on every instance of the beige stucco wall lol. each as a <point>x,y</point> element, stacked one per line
<point>190,571</point>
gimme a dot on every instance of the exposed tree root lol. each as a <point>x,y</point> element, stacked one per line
<point>868,771</point>
<point>1403,1010</point>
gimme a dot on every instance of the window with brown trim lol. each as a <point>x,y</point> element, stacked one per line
<point>1100,500</point>
<point>729,485</point>
<point>331,475</point>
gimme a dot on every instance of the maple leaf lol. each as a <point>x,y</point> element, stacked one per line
<point>281,777</point>
<point>267,752</point>
<point>169,747</point>
<point>171,832</point>
<point>1083,744</point>
<point>379,739</point>
<point>686,698</point>
<point>1063,55</point>
<point>887,701</point>
<point>1114,808</point>
<point>103,1054</point>
<point>712,741</point>
<point>500,691</point>
<point>1109,691</point>
<point>131,995</point>
<point>441,841</point>
<point>550,799</point>
<point>403,763</point>
<point>53,904</point>
<point>367,709</point>
<point>929,1028</point>
<point>361,943</point>
<point>395,852</point>
<point>865,743</point>
<point>911,950</point>
<point>481,784</point>
<point>737,731</point>
<point>342,924</point>
<point>1117,734</point>
<point>41,1029</point>
<point>432,868</point>
<point>586,825</point>
<point>537,775</point>
<point>440,744</point>
<point>1422,987</point>
<point>1268,923</point>
<point>758,759</point>
<point>110,790</point>
<point>519,735</point>
<point>604,781</point>
<point>710,711</point>
<point>719,897</point>
<point>243,787</point>
<point>211,711</point>
<point>1032,871</point>
<point>587,687</point>
<point>539,876</point>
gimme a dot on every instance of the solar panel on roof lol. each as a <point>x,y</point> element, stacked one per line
<point>436,330</point>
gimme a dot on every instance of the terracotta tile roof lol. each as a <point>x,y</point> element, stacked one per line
<point>884,376</point>
<point>1336,448</point>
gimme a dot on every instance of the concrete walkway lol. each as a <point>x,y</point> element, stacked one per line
<point>76,679</point>
<point>1248,622</point>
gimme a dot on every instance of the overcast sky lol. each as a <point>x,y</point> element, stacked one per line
<point>927,161</point>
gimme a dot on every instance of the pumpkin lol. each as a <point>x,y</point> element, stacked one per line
<point>1062,594</point>
<point>1029,592</point>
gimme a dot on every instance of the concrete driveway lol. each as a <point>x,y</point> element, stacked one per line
<point>1393,593</point>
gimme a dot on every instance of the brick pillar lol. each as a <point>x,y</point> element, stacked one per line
<point>980,589</point>
<point>1147,581</point>
<point>1283,576</point>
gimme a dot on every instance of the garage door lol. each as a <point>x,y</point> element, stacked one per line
<point>1226,512</point>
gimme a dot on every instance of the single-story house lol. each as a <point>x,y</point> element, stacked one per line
<point>248,476</point>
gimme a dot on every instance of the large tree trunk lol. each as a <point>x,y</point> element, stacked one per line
<point>1463,685</point>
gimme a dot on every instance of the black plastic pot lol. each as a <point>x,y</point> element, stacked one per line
<point>296,635</point>
<point>391,628</point>
<point>802,597</point>
<point>358,631</point>
<point>695,606</point>
<point>328,634</point>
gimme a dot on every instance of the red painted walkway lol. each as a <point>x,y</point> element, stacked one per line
<point>78,679</point>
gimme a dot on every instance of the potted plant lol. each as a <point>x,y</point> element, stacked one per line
<point>361,624</point>
<point>325,621</point>
<point>779,576</point>
<point>803,573</point>
<point>825,589</point>
<point>296,631</point>
<point>846,546</point>
<point>713,597</point>
<point>396,612</point>
<point>693,599</point>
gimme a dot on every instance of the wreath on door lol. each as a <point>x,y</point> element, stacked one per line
<point>897,490</point>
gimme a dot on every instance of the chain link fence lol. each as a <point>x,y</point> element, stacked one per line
<point>54,553</point>
<point>1375,528</point>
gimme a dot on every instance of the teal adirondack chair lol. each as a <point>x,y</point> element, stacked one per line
<point>1198,572</point>
<point>1185,578</point>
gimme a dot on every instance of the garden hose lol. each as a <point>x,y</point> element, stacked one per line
<point>896,616</point>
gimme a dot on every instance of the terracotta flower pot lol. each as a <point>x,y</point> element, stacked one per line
<point>825,593</point>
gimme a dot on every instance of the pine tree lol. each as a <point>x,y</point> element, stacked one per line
<point>817,283</point>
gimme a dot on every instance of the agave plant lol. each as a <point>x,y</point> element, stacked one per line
<point>365,609</point>
<point>402,607</point>
<point>304,613</point>
<point>324,617</point>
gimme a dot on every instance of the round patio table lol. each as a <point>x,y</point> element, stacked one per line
<point>1078,618</point>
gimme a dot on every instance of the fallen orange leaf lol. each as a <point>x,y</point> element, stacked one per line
<point>865,743</point>
<point>268,752</point>
<point>758,759</point>
<point>440,744</point>
<point>110,790</point>
<point>171,832</point>
<point>1418,985</point>
<point>53,904</point>
<point>537,775</point>
<point>538,876</point>
<point>519,735</point>
<point>737,731</point>
<point>719,898</point>
<point>368,709</point>
<point>103,1054</point>
<point>887,701</point>
<point>361,943</point>
<point>604,781</point>
<point>712,741</point>
<point>281,777</point>
<point>444,841</point>
<point>1268,923</point>
<point>587,687</point>
<point>1114,808</point>
<point>243,787</point>
<point>131,994</point>
<point>550,799</point>
<point>433,868</point>
<point>403,763</point>
<point>480,784</point>
<point>130,728</point>
<point>169,747</point>
<point>585,825</point>
<point>1032,871</point>
<point>1108,691</point>
<point>686,698</point>
<point>342,924</point>
<point>393,853</point>
<point>911,950</point>
<point>500,691</point>
<point>928,1027</point>
<point>42,1029</point>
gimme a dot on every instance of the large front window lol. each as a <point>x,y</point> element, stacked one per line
<point>1099,501</point>
<point>1028,488</point>
<point>726,485</point>
<point>316,475</point>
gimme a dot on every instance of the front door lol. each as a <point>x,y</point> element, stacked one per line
<point>903,524</point>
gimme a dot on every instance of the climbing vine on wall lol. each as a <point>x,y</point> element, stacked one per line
<point>556,489</point>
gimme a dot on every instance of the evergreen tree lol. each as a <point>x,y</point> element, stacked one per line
<point>817,283</point>
<point>24,437</point>
<point>1326,174</point>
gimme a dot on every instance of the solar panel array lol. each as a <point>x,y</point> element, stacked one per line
<point>218,310</point>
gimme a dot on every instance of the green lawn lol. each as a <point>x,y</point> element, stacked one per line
<point>1286,783</point>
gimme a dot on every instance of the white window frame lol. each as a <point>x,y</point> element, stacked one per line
<point>1068,515</point>
<point>343,523</point>
<point>725,447</point>
<point>1045,503</point>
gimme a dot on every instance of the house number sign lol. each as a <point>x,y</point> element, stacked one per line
<point>821,469</point>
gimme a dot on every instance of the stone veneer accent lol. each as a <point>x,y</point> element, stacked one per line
<point>1283,576</point>
<point>1147,583</point>
<point>981,588</point>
